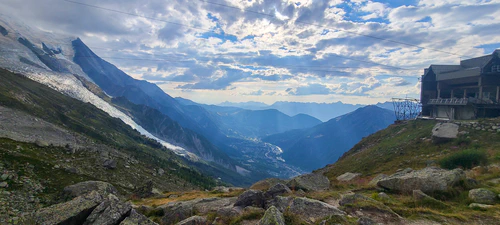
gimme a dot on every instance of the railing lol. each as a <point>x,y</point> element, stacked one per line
<point>461,101</point>
<point>448,101</point>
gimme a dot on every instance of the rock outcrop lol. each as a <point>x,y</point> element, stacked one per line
<point>109,164</point>
<point>348,176</point>
<point>111,211</point>
<point>276,190</point>
<point>251,198</point>
<point>483,196</point>
<point>309,209</point>
<point>428,180</point>
<point>272,217</point>
<point>83,188</point>
<point>178,211</point>
<point>75,211</point>
<point>91,207</point>
<point>376,179</point>
<point>309,182</point>
<point>136,218</point>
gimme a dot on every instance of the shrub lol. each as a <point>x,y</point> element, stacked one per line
<point>466,159</point>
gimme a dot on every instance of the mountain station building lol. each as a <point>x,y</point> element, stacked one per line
<point>467,91</point>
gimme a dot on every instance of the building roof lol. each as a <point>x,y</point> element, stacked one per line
<point>476,62</point>
<point>468,67</point>
<point>445,68</point>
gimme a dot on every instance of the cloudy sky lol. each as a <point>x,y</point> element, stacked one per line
<point>210,51</point>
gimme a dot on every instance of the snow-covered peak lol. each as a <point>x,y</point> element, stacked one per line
<point>16,57</point>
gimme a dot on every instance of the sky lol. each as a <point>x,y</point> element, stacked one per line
<point>211,51</point>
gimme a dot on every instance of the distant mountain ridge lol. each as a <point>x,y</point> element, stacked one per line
<point>256,123</point>
<point>322,111</point>
<point>323,144</point>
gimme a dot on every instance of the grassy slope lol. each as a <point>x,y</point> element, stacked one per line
<point>408,145</point>
<point>38,100</point>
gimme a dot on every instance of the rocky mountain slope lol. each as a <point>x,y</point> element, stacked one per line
<point>49,140</point>
<point>320,145</point>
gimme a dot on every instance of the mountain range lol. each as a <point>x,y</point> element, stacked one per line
<point>237,145</point>
<point>323,144</point>
<point>322,111</point>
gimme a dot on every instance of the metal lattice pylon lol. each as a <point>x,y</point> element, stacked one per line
<point>406,108</point>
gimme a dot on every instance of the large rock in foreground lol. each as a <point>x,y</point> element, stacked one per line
<point>444,132</point>
<point>110,212</point>
<point>272,217</point>
<point>309,182</point>
<point>428,180</point>
<point>73,212</point>
<point>86,187</point>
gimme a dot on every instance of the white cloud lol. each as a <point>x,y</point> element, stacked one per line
<point>308,56</point>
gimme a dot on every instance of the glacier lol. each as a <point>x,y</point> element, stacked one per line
<point>11,52</point>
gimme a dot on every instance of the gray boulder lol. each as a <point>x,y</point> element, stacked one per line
<point>86,187</point>
<point>109,212</point>
<point>419,195</point>
<point>230,212</point>
<point>194,220</point>
<point>177,211</point>
<point>422,199</point>
<point>309,182</point>
<point>251,198</point>
<point>428,180</point>
<point>444,131</point>
<point>109,164</point>
<point>309,209</point>
<point>481,195</point>
<point>376,179</point>
<point>213,204</point>
<point>276,190</point>
<point>272,217</point>
<point>348,176</point>
<point>137,219</point>
<point>71,212</point>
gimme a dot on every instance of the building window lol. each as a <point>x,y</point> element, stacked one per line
<point>495,68</point>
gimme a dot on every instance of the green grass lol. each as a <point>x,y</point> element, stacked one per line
<point>466,159</point>
<point>409,145</point>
